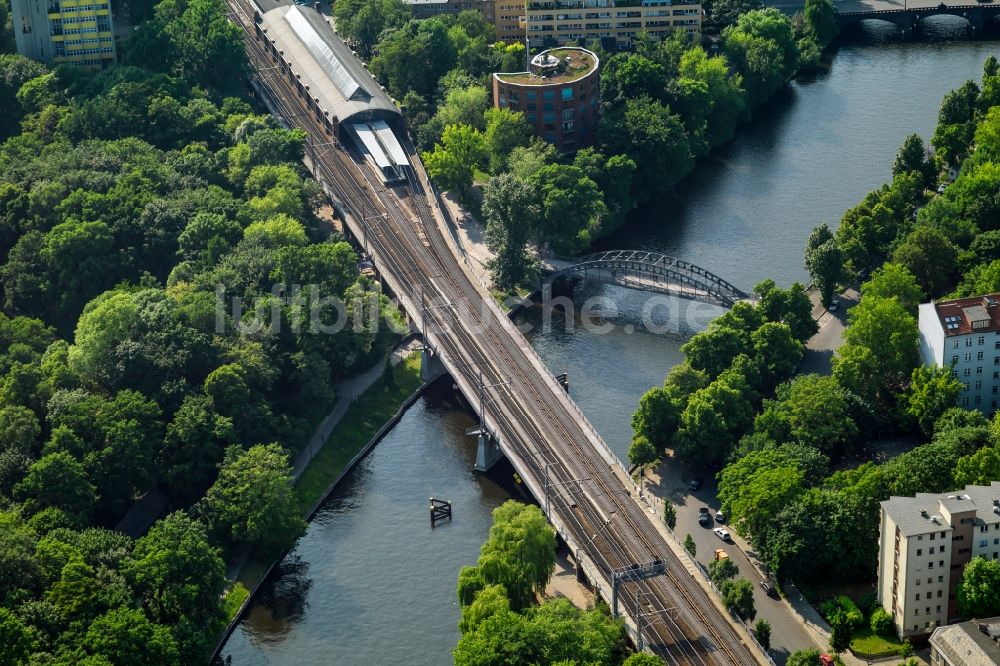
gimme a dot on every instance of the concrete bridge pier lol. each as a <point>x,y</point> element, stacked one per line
<point>487,451</point>
<point>431,366</point>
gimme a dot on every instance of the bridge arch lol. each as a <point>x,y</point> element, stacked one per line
<point>649,271</point>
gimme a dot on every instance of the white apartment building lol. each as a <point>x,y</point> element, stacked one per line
<point>964,334</point>
<point>924,544</point>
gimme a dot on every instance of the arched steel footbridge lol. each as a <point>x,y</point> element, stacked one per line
<point>647,271</point>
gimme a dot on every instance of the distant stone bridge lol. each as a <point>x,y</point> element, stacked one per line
<point>646,271</point>
<point>908,17</point>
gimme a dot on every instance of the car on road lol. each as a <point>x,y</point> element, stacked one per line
<point>834,304</point>
<point>769,589</point>
<point>704,517</point>
<point>720,516</point>
<point>723,534</point>
<point>695,484</point>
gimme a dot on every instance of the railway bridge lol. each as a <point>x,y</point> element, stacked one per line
<point>619,541</point>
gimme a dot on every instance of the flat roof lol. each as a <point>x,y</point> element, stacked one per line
<point>325,65</point>
<point>976,314</point>
<point>921,514</point>
<point>578,64</point>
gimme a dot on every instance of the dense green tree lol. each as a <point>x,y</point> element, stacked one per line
<point>762,630</point>
<point>126,636</point>
<point>721,14</point>
<point>813,411</point>
<point>712,350</point>
<point>642,659</point>
<point>929,256</point>
<point>629,75</point>
<point>654,137</point>
<point>931,393</point>
<point>519,553</point>
<point>180,577</point>
<point>669,515</point>
<point>690,545</point>
<point>776,351</point>
<point>571,207</point>
<point>15,71</point>
<point>451,162</point>
<point>489,601</point>
<point>881,351</point>
<point>954,131</point>
<point>737,594</point>
<point>912,156</point>
<point>468,105</point>
<point>824,261</point>
<point>978,469</point>
<point>252,500</point>
<point>16,642</point>
<point>362,22</point>
<point>505,130</point>
<point>412,57</point>
<point>821,18</point>
<point>19,429</point>
<point>979,590</point>
<point>642,452</point>
<point>195,40</point>
<point>722,570</point>
<point>761,46</point>
<point>893,280</point>
<point>881,622</point>
<point>809,657</point>
<point>57,480</point>
<point>657,416</point>
<point>193,447</point>
<point>510,209</point>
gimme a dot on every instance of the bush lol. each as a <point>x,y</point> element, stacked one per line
<point>881,622</point>
<point>841,605</point>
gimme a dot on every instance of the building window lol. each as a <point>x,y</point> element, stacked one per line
<point>979,356</point>
<point>954,345</point>
<point>968,356</point>
<point>549,95</point>
<point>954,358</point>
<point>965,401</point>
<point>982,339</point>
<point>979,384</point>
<point>916,611</point>
<point>984,528</point>
<point>531,95</point>
<point>979,370</point>
<point>940,579</point>
<point>930,565</point>
<point>920,551</point>
<point>968,342</point>
<point>567,94</point>
<point>939,595</point>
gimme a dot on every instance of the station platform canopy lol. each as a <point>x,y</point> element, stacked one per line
<point>325,65</point>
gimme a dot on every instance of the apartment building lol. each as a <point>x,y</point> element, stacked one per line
<point>559,96</point>
<point>964,334</point>
<point>423,9</point>
<point>75,32</point>
<point>510,21</point>
<point>615,23</point>
<point>972,643</point>
<point>924,544</point>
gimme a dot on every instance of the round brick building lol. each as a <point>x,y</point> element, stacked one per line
<point>559,96</point>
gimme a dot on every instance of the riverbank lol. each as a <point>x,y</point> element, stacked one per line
<point>368,408</point>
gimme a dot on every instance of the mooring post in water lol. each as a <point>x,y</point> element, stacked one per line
<point>440,509</point>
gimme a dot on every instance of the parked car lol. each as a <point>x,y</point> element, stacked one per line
<point>834,305</point>
<point>940,189</point>
<point>695,484</point>
<point>768,589</point>
<point>704,517</point>
<point>723,534</point>
<point>721,554</point>
<point>720,516</point>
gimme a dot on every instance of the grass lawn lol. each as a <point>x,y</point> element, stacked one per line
<point>865,642</point>
<point>362,420</point>
<point>234,598</point>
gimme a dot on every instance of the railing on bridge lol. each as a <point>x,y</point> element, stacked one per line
<point>652,271</point>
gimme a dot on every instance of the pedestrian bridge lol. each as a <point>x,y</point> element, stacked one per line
<point>646,271</point>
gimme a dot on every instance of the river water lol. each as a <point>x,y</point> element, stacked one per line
<point>371,582</point>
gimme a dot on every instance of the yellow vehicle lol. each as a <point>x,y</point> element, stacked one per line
<point>721,554</point>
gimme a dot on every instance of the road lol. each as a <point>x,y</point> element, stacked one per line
<point>553,447</point>
<point>829,338</point>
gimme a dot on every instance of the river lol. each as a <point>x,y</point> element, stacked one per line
<point>371,582</point>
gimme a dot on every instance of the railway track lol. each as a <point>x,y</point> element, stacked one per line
<point>542,432</point>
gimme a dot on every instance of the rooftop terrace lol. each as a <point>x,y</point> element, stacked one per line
<point>553,67</point>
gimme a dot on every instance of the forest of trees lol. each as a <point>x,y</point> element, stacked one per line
<point>139,206</point>
<point>792,450</point>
